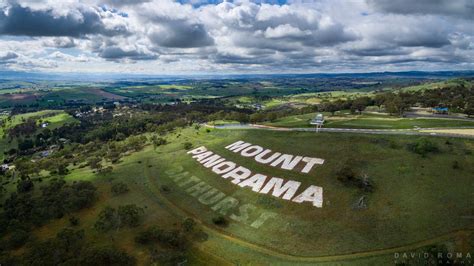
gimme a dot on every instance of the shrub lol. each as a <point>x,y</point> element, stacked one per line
<point>456,165</point>
<point>188,145</point>
<point>220,221</point>
<point>188,225</point>
<point>423,147</point>
<point>18,238</point>
<point>165,188</point>
<point>346,174</point>
<point>73,221</point>
<point>119,189</point>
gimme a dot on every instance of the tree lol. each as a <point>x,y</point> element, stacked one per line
<point>188,225</point>
<point>469,110</point>
<point>24,185</point>
<point>396,106</point>
<point>158,141</point>
<point>106,220</point>
<point>257,117</point>
<point>331,107</point>
<point>25,144</point>
<point>106,256</point>
<point>130,215</point>
<point>272,116</point>
<point>380,99</point>
<point>127,215</point>
<point>359,104</point>
<point>94,162</point>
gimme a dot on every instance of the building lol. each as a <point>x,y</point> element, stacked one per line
<point>440,110</point>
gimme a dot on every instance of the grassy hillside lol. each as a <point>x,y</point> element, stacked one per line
<point>415,198</point>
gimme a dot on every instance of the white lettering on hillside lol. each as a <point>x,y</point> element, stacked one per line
<point>284,161</point>
<point>243,177</point>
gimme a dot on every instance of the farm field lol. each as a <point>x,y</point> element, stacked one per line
<point>419,190</point>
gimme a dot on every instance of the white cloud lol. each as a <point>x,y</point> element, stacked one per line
<point>160,36</point>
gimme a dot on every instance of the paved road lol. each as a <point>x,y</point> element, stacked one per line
<point>407,132</point>
<point>441,116</point>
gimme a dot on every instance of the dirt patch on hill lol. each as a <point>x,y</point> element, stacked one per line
<point>18,97</point>
<point>105,94</point>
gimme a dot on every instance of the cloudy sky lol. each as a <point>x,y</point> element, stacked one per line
<point>274,36</point>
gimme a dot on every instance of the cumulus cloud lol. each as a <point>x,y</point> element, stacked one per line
<point>180,34</point>
<point>267,35</point>
<point>19,20</point>
<point>457,8</point>
<point>7,56</point>
<point>60,42</point>
<point>121,3</point>
<point>116,53</point>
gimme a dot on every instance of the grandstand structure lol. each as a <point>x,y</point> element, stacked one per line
<point>318,121</point>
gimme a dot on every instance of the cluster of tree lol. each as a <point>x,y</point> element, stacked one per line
<point>28,127</point>
<point>355,105</point>
<point>459,97</point>
<point>169,246</point>
<point>69,247</point>
<point>124,216</point>
<point>457,94</point>
<point>26,208</point>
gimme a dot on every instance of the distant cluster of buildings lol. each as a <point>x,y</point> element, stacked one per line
<point>121,110</point>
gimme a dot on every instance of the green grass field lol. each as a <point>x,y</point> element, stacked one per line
<point>370,121</point>
<point>415,199</point>
<point>313,98</point>
<point>439,85</point>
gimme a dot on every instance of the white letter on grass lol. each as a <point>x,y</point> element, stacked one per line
<point>278,188</point>
<point>197,150</point>
<point>251,151</point>
<point>313,194</point>
<point>228,166</point>
<point>310,162</point>
<point>238,146</point>
<point>211,161</point>
<point>203,155</point>
<point>255,182</point>
<point>259,158</point>
<point>288,162</point>
<point>238,174</point>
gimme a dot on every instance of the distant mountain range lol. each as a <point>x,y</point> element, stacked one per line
<point>36,76</point>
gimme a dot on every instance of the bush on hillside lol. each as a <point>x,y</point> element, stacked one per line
<point>423,147</point>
